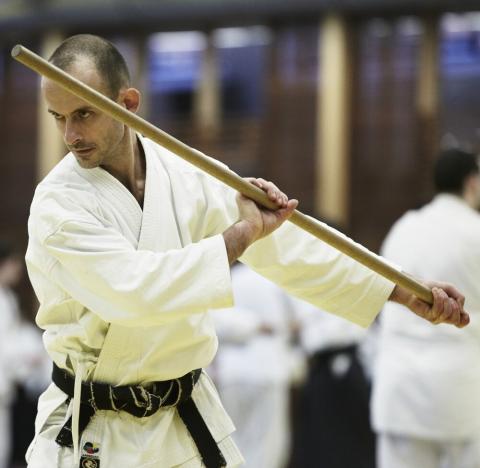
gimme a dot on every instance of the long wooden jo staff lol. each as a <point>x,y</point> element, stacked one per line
<point>198,159</point>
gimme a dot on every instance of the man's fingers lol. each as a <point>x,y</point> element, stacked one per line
<point>438,305</point>
<point>273,192</point>
<point>254,181</point>
<point>464,319</point>
<point>453,292</point>
<point>282,214</point>
<point>447,309</point>
<point>289,208</point>
<point>451,313</point>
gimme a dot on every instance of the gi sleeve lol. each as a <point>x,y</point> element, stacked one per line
<point>307,267</point>
<point>312,270</point>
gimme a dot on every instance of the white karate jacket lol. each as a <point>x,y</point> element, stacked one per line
<point>427,378</point>
<point>124,294</point>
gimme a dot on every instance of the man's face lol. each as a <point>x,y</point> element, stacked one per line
<point>93,137</point>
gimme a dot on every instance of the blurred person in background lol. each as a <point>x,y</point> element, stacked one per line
<point>426,397</point>
<point>332,426</point>
<point>10,274</point>
<point>254,367</point>
<point>24,365</point>
<point>32,374</point>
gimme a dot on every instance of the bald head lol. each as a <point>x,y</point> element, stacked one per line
<point>104,56</point>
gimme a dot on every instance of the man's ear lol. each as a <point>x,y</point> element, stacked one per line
<point>130,97</point>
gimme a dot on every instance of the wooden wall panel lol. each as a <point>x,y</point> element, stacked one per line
<point>288,137</point>
<point>17,156</point>
<point>388,172</point>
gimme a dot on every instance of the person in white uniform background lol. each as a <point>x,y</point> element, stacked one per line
<point>332,405</point>
<point>129,247</point>
<point>22,358</point>
<point>426,399</point>
<point>332,427</point>
<point>254,367</point>
<point>31,374</point>
<point>10,271</point>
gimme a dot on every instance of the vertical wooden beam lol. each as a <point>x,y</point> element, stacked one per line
<point>428,98</point>
<point>332,191</point>
<point>207,99</point>
<point>140,73</point>
<point>50,144</point>
<point>428,84</point>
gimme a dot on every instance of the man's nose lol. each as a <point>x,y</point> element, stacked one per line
<point>71,133</point>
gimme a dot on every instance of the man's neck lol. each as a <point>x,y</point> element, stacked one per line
<point>131,170</point>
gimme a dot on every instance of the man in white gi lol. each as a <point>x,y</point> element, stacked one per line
<point>129,247</point>
<point>426,400</point>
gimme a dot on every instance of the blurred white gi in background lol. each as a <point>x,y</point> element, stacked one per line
<point>23,359</point>
<point>10,269</point>
<point>426,399</point>
<point>332,407</point>
<point>254,367</point>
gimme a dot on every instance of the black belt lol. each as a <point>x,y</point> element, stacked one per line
<point>141,401</point>
<point>321,357</point>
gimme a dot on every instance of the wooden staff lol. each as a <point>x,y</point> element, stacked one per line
<point>198,159</point>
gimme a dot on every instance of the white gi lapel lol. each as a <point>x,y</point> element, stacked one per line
<point>159,231</point>
<point>122,205</point>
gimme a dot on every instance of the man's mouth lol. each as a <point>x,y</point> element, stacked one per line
<point>82,152</point>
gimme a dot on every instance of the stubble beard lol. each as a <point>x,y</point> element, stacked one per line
<point>94,160</point>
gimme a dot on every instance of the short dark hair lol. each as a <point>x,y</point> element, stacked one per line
<point>452,168</point>
<point>108,61</point>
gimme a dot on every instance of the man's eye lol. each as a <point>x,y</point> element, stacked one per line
<point>57,116</point>
<point>84,114</point>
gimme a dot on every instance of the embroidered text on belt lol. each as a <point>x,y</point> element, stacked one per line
<point>141,402</point>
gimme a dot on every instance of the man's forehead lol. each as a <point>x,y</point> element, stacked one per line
<point>61,101</point>
<point>84,70</point>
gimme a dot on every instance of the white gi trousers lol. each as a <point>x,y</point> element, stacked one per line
<point>46,445</point>
<point>396,451</point>
<point>46,453</point>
